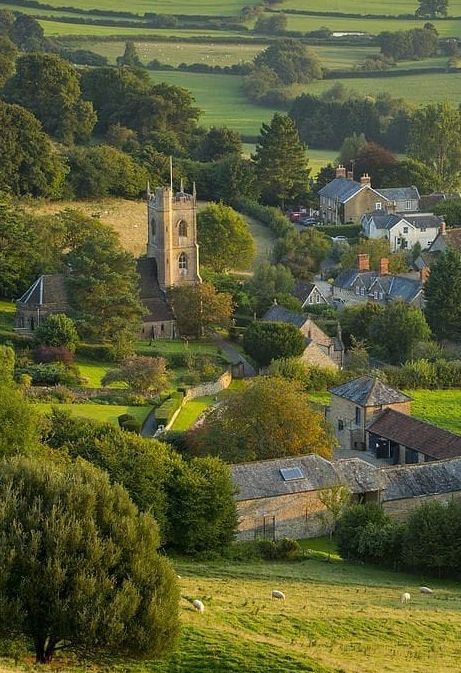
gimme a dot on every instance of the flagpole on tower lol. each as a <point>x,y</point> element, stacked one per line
<point>171,173</point>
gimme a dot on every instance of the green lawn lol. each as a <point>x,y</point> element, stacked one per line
<point>7,311</point>
<point>93,373</point>
<point>390,7</point>
<point>104,413</point>
<point>337,618</point>
<point>71,29</point>
<point>441,407</point>
<point>190,413</point>
<point>168,347</point>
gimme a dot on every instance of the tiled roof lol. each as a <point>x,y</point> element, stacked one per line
<point>150,293</point>
<point>413,481</point>
<point>428,220</point>
<point>400,193</point>
<point>415,434</point>
<point>281,314</point>
<point>394,287</point>
<point>341,189</point>
<point>263,479</point>
<point>383,220</point>
<point>453,237</point>
<point>369,391</point>
<point>302,290</point>
<point>48,290</point>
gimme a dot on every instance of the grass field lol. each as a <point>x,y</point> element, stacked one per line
<point>7,311</point>
<point>441,407</point>
<point>63,28</point>
<point>104,413</point>
<point>190,7</point>
<point>337,618</point>
<point>93,373</point>
<point>390,7</point>
<point>180,346</point>
<point>190,412</point>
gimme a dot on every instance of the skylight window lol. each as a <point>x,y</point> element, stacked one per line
<point>291,473</point>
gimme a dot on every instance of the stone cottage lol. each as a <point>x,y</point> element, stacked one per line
<point>47,295</point>
<point>321,349</point>
<point>402,230</point>
<point>356,403</point>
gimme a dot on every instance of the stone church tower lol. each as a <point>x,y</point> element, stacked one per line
<point>172,239</point>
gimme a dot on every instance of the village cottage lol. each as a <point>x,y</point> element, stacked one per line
<point>402,231</point>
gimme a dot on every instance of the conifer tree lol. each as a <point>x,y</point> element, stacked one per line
<point>130,57</point>
<point>281,162</point>
<point>443,296</point>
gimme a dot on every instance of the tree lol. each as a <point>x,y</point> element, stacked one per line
<point>28,162</point>
<point>350,525</point>
<point>267,341</point>
<point>302,252</point>
<point>27,33</point>
<point>450,211</point>
<point>7,360</point>
<point>281,161</point>
<point>221,224</point>
<point>291,60</point>
<point>219,143</point>
<point>432,8</point>
<point>435,140</point>
<point>49,87</point>
<point>8,54</point>
<point>80,566</point>
<point>397,330</point>
<point>57,330</point>
<point>20,426</point>
<point>356,322</point>
<point>269,418</point>
<point>269,282</point>
<point>143,374</point>
<point>376,161</point>
<point>443,296</point>
<point>335,499</point>
<point>376,249</point>
<point>271,25</point>
<point>202,513</point>
<point>130,57</point>
<point>199,307</point>
<point>7,18</point>
<point>351,147</point>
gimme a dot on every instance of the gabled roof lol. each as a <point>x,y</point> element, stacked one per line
<point>303,290</point>
<point>400,193</point>
<point>418,220</point>
<point>399,287</point>
<point>48,291</point>
<point>347,278</point>
<point>370,392</point>
<point>263,479</point>
<point>383,220</point>
<point>413,481</point>
<point>415,434</point>
<point>278,313</point>
<point>152,297</point>
<point>452,238</point>
<point>341,189</point>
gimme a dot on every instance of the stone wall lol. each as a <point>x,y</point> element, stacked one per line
<point>210,388</point>
<point>401,509</point>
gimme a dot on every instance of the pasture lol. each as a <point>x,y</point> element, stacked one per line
<point>189,7</point>
<point>441,407</point>
<point>61,28</point>
<point>390,7</point>
<point>337,618</point>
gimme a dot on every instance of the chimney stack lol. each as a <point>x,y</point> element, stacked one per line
<point>340,172</point>
<point>424,274</point>
<point>443,228</point>
<point>384,266</point>
<point>365,179</point>
<point>350,175</point>
<point>363,262</point>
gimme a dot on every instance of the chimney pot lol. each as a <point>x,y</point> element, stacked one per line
<point>350,175</point>
<point>443,228</point>
<point>340,172</point>
<point>365,179</point>
<point>384,266</point>
<point>424,274</point>
<point>363,262</point>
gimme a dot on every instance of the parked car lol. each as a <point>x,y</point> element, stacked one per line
<point>308,221</point>
<point>339,239</point>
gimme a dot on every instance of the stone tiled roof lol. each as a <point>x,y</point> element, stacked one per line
<point>369,391</point>
<point>263,479</point>
<point>47,291</point>
<point>341,189</point>
<point>415,434</point>
<point>400,193</point>
<point>453,238</point>
<point>281,314</point>
<point>150,293</point>
<point>413,481</point>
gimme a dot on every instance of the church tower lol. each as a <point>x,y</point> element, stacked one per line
<point>172,238</point>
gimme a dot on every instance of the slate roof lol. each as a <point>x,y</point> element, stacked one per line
<point>394,287</point>
<point>346,278</point>
<point>383,220</point>
<point>341,189</point>
<point>281,314</point>
<point>400,193</point>
<point>369,391</point>
<point>151,295</point>
<point>302,290</point>
<point>415,434</point>
<point>263,479</point>
<point>412,481</point>
<point>451,238</point>
<point>428,220</point>
<point>49,290</point>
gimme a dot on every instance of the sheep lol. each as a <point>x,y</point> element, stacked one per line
<point>425,590</point>
<point>278,594</point>
<point>405,598</point>
<point>198,605</point>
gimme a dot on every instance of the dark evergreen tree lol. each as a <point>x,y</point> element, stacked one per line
<point>130,56</point>
<point>27,33</point>
<point>443,296</point>
<point>281,162</point>
<point>432,8</point>
<point>8,54</point>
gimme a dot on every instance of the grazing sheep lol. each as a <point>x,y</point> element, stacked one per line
<point>425,590</point>
<point>198,605</point>
<point>279,595</point>
<point>405,598</point>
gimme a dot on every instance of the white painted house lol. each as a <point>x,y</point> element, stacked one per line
<point>402,230</point>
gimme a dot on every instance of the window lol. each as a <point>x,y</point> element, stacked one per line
<point>408,205</point>
<point>357,289</point>
<point>375,295</point>
<point>423,228</point>
<point>182,229</point>
<point>291,473</point>
<point>152,226</point>
<point>362,291</point>
<point>378,205</point>
<point>340,425</point>
<point>317,298</point>
<point>182,262</point>
<point>358,415</point>
<point>405,230</point>
<point>381,295</point>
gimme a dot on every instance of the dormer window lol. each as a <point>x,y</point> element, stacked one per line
<point>378,205</point>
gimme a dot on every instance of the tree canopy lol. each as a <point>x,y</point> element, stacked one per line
<point>269,418</point>
<point>80,566</point>
<point>267,341</point>
<point>57,330</point>
<point>143,374</point>
<point>443,296</point>
<point>199,307</point>
<point>224,238</point>
<point>397,330</point>
<point>291,60</point>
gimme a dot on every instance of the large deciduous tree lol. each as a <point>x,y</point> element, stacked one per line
<point>219,143</point>
<point>397,330</point>
<point>291,60</point>
<point>432,8</point>
<point>267,341</point>
<point>200,307</point>
<point>8,54</point>
<point>80,566</point>
<point>435,140</point>
<point>143,374</point>
<point>281,162</point>
<point>443,296</point>
<point>270,418</point>
<point>49,86</point>
<point>224,238</point>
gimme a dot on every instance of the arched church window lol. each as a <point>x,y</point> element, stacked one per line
<point>182,229</point>
<point>182,262</point>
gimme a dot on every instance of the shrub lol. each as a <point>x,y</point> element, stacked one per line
<point>132,426</point>
<point>279,550</point>
<point>47,354</point>
<point>7,361</point>
<point>267,341</point>
<point>65,395</point>
<point>57,330</point>
<point>98,352</point>
<point>350,525</point>
<point>164,413</point>
<point>273,218</point>
<point>124,418</point>
<point>52,374</point>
